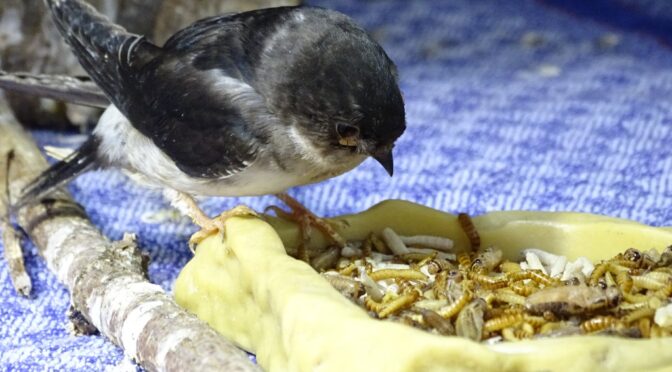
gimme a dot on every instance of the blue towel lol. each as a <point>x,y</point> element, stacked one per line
<point>540,105</point>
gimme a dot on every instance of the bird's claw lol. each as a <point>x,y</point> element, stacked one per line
<point>218,224</point>
<point>306,220</point>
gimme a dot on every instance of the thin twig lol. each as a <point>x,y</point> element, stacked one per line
<point>10,237</point>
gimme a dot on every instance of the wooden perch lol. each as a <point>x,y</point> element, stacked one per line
<point>106,279</point>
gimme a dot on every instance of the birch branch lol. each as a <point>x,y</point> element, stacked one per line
<point>106,279</point>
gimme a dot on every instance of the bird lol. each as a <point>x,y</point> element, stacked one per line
<point>239,104</point>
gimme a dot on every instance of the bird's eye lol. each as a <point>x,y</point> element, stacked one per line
<point>347,134</point>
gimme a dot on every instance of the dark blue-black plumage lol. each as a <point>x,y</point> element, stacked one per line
<point>302,90</point>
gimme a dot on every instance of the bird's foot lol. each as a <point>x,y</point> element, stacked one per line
<point>306,220</point>
<point>210,226</point>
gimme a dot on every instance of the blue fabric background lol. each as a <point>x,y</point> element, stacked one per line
<point>547,105</point>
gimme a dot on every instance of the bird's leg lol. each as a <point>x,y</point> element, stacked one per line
<point>186,204</point>
<point>306,219</point>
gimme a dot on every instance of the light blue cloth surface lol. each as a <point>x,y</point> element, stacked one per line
<point>510,105</point>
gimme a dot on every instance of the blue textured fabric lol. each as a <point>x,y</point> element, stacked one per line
<point>544,105</point>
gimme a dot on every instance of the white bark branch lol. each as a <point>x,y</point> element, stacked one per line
<point>106,279</point>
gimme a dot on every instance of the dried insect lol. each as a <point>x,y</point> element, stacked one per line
<point>442,325</point>
<point>434,266</point>
<point>488,297</point>
<point>327,259</point>
<point>347,286</point>
<point>633,255</point>
<point>665,258</point>
<point>599,323</point>
<point>566,301</point>
<point>470,230</point>
<point>469,322</point>
<point>487,260</point>
<point>456,306</point>
<point>572,281</point>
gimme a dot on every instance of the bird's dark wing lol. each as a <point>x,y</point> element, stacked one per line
<point>108,53</point>
<point>230,43</point>
<point>197,121</point>
<point>203,92</point>
<point>163,91</point>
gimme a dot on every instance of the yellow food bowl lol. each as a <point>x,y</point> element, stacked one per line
<point>249,289</point>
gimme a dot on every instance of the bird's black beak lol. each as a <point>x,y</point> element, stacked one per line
<point>385,159</point>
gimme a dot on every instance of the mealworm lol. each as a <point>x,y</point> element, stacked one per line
<point>646,282</point>
<point>470,230</point>
<point>373,289</point>
<point>455,307</point>
<point>405,274</point>
<point>434,242</point>
<point>398,304</point>
<point>394,242</point>
<point>599,323</point>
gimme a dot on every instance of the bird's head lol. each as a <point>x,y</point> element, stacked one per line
<point>341,91</point>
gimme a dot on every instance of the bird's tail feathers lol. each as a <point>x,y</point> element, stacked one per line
<point>85,158</point>
<point>60,87</point>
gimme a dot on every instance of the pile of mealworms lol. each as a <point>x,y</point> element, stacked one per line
<point>419,281</point>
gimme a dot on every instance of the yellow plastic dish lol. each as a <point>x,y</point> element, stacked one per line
<point>279,308</point>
